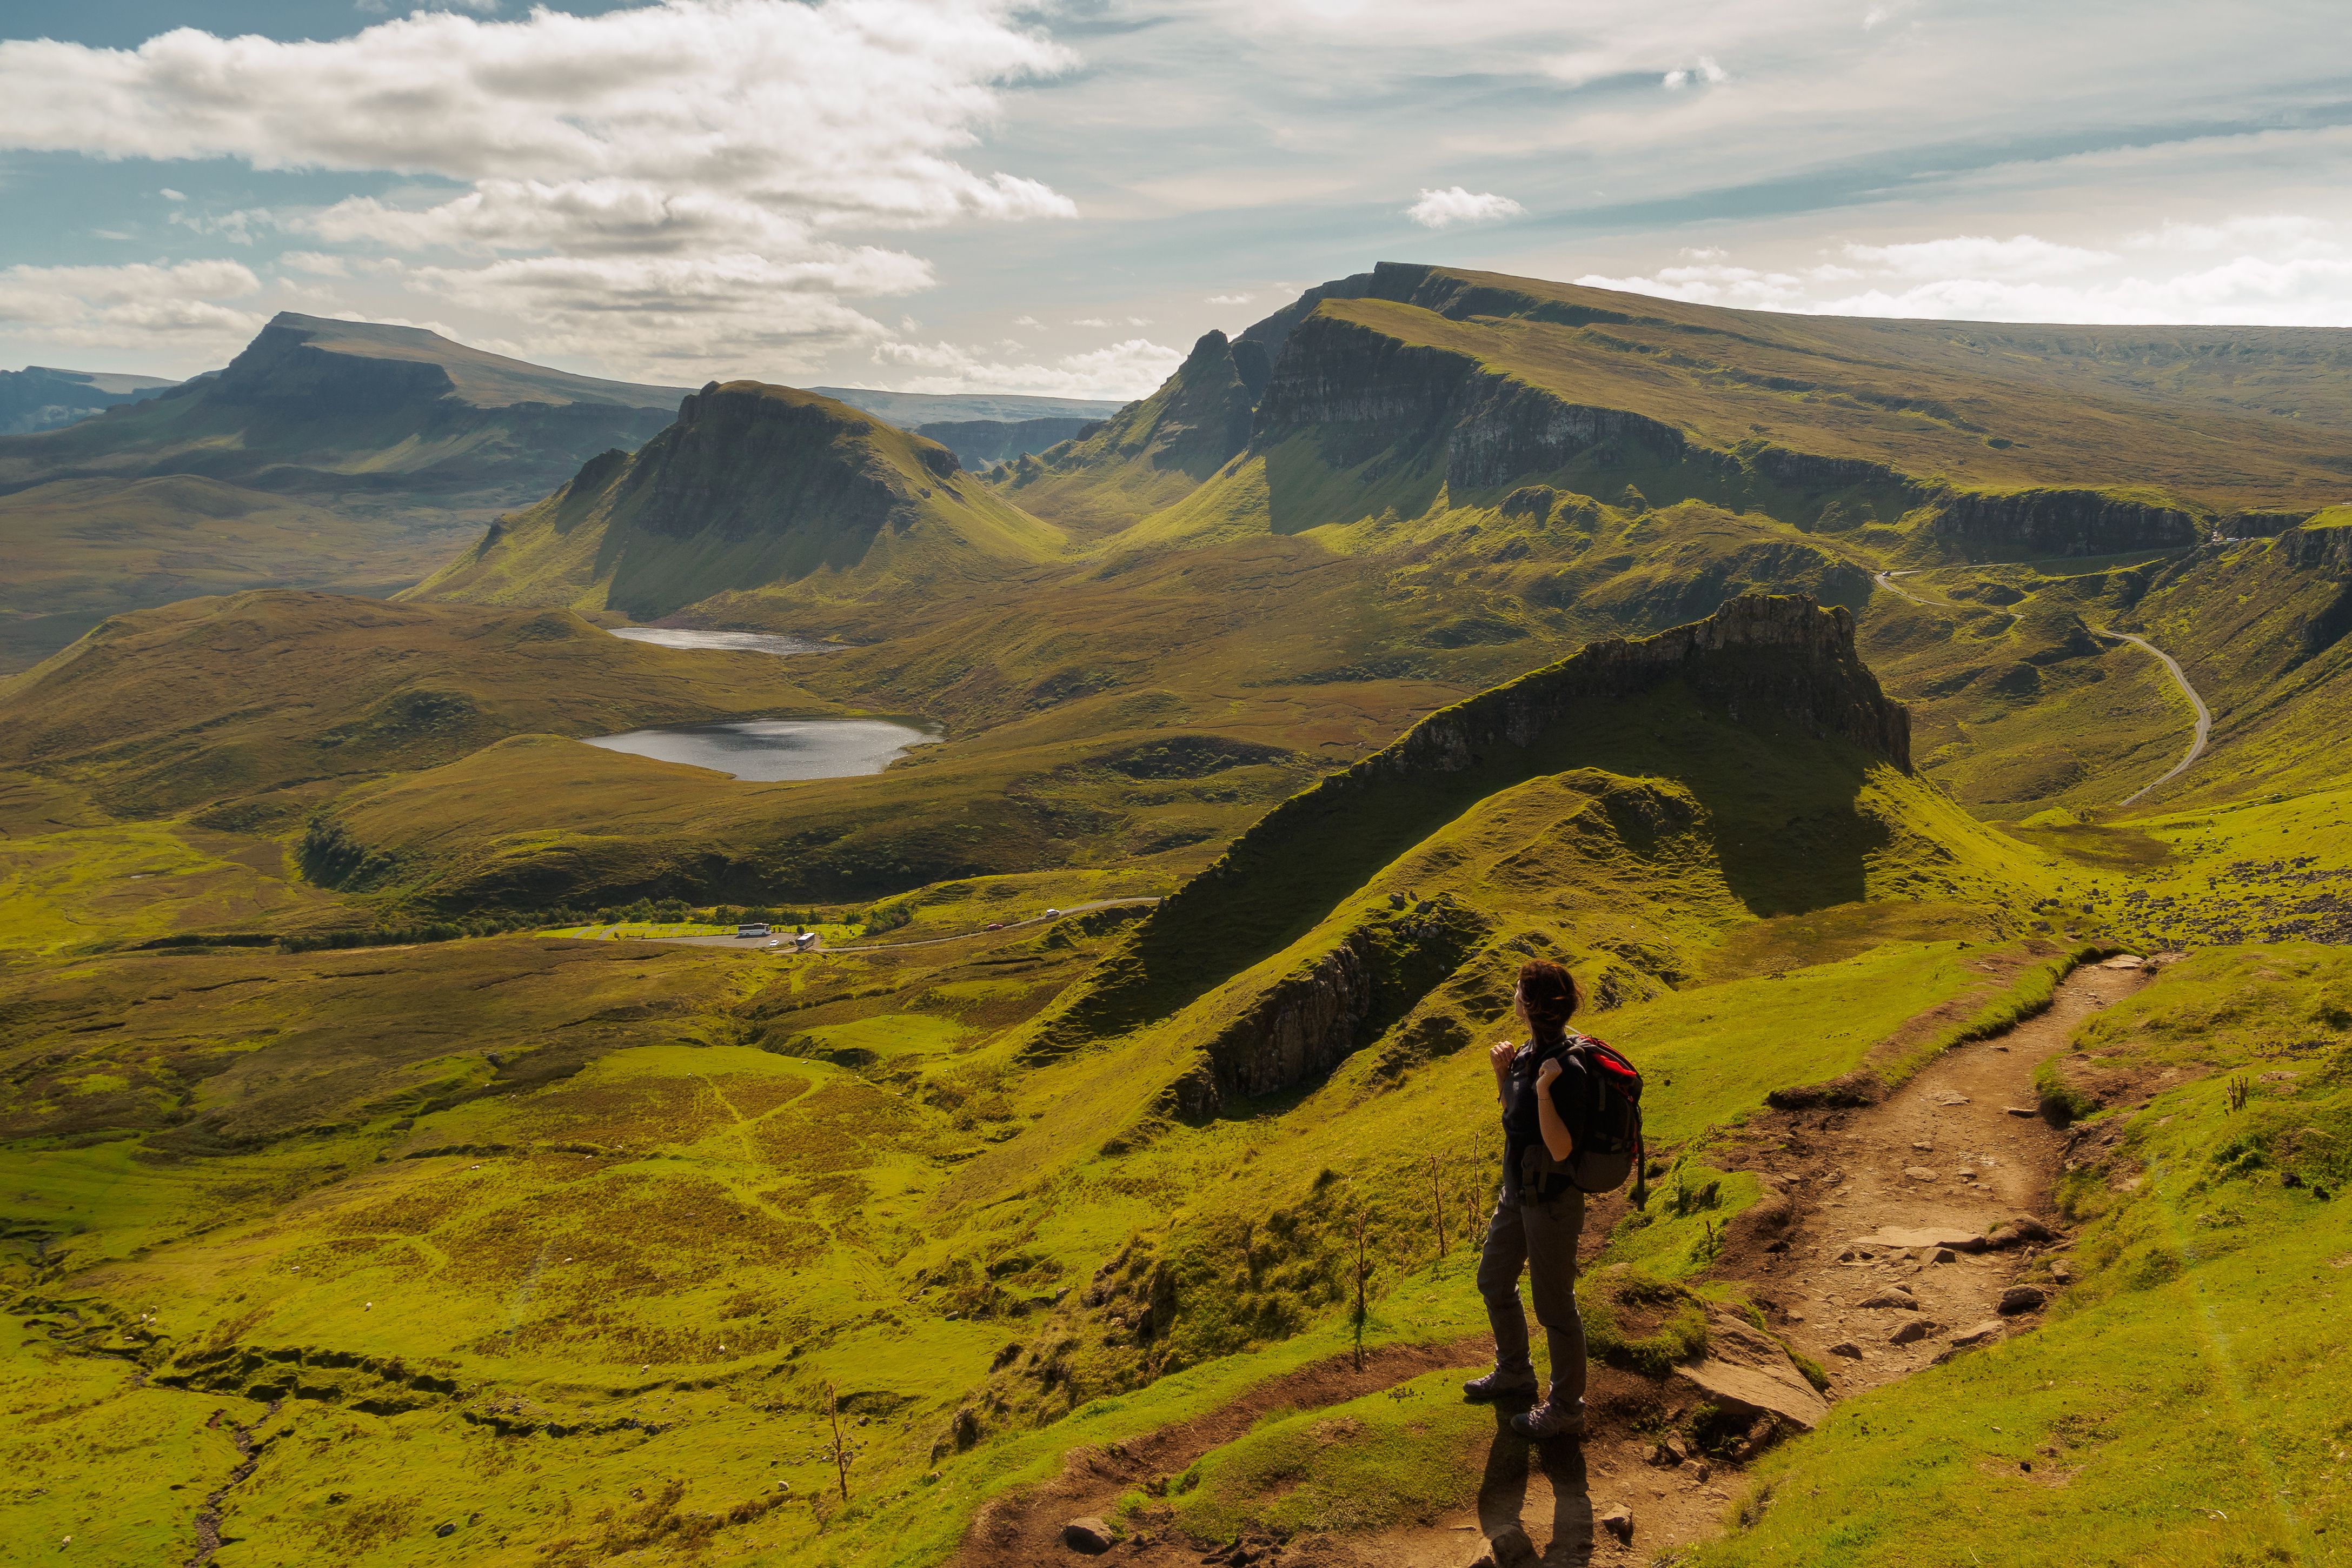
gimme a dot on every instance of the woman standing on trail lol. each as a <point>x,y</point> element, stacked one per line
<point>1540,1216</point>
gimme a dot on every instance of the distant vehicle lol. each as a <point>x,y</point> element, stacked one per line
<point>752,928</point>
<point>996,925</point>
<point>1052,914</point>
<point>805,943</point>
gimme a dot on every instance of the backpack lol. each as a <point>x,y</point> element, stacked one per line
<point>1606,1125</point>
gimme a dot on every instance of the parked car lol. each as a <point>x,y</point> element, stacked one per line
<point>752,928</point>
<point>996,925</point>
<point>1052,914</point>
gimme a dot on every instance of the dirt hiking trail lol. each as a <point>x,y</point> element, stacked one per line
<point>1888,1239</point>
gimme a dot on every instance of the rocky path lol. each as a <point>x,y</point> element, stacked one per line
<point>1892,1235</point>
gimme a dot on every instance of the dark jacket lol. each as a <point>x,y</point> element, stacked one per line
<point>1522,1129</point>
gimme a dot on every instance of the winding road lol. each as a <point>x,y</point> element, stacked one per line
<point>2204,714</point>
<point>2179,678</point>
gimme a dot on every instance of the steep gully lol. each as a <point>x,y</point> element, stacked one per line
<point>2179,678</point>
<point>1869,1253</point>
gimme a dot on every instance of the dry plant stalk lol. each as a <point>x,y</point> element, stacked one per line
<point>840,1450</point>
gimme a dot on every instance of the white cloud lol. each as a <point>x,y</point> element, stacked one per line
<point>2286,270</point>
<point>837,110</point>
<point>704,145</point>
<point>1444,209</point>
<point>1127,370</point>
<point>1089,321</point>
<point>2022,255</point>
<point>130,306</point>
<point>653,314</point>
<point>1706,70</point>
<point>1231,299</point>
<point>1027,321</point>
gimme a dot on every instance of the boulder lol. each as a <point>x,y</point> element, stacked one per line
<point>2017,1232</point>
<point>1847,1349</point>
<point>1895,1297</point>
<point>2021,1299</point>
<point>1900,1238</point>
<point>1618,1522</point>
<point>1982,1334</point>
<point>1906,1334</point>
<point>1089,1535</point>
<point>1745,1372</point>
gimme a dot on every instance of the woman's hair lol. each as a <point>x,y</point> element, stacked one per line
<point>1550,995</point>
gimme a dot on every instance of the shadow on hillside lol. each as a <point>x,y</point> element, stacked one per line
<point>1783,807</point>
<point>1503,1500</point>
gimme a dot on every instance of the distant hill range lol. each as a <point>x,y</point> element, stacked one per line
<point>322,407</point>
<point>39,397</point>
<point>979,428</point>
<point>327,455</point>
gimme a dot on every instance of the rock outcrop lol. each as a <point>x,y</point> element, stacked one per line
<point>2059,522</point>
<point>1787,657</point>
<point>2327,550</point>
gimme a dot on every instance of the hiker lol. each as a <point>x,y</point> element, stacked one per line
<point>1541,1215</point>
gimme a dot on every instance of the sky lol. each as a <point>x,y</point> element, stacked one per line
<point>941,195</point>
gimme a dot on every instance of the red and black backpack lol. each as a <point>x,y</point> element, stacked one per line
<point>1607,1128</point>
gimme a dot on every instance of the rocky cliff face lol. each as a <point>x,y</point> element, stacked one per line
<point>746,458</point>
<point>284,371</point>
<point>1758,657</point>
<point>2326,550</point>
<point>2059,522</point>
<point>1362,392</point>
<point>1310,1020</point>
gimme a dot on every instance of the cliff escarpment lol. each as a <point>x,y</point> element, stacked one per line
<point>1150,453</point>
<point>1776,674</point>
<point>2326,550</point>
<point>2060,522</point>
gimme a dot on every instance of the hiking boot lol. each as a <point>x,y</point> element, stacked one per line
<point>1498,1385</point>
<point>1551,1419</point>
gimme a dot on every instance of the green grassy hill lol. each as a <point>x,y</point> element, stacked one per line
<point>266,1172</point>
<point>759,498</point>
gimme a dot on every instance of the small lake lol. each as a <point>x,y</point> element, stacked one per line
<point>765,750</point>
<point>724,642</point>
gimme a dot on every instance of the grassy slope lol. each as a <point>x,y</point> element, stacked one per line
<point>82,550</point>
<point>213,701</point>
<point>2181,1404</point>
<point>868,1160</point>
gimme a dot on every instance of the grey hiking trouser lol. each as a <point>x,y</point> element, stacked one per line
<point>1542,1238</point>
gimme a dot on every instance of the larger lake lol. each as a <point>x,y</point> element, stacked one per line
<point>769,749</point>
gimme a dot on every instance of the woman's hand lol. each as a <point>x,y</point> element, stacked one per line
<point>1499,1056</point>
<point>1546,1073</point>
